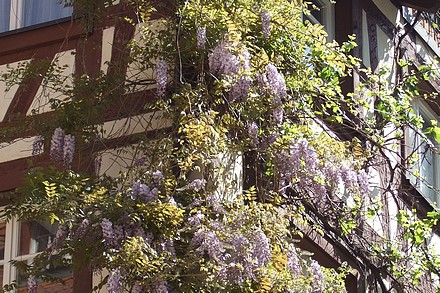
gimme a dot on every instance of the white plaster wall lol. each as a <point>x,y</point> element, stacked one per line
<point>135,71</point>
<point>134,124</point>
<point>389,10</point>
<point>107,43</point>
<point>17,149</point>
<point>365,41</point>
<point>7,96</point>
<point>40,103</point>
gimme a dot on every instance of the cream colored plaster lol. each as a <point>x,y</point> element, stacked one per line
<point>134,124</point>
<point>365,41</point>
<point>45,93</point>
<point>7,96</point>
<point>17,149</point>
<point>107,45</point>
<point>389,10</point>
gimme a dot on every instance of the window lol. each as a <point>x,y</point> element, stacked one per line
<point>322,12</point>
<point>16,14</point>
<point>427,149</point>
<point>22,241</point>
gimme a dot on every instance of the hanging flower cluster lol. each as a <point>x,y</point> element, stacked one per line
<point>265,23</point>
<point>62,147</point>
<point>161,78</point>
<point>226,63</point>
<point>201,37</point>
<point>301,168</point>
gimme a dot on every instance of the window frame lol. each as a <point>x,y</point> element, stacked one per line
<point>16,18</point>
<point>416,142</point>
<point>327,10</point>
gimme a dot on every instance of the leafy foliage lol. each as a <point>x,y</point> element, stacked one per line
<point>243,79</point>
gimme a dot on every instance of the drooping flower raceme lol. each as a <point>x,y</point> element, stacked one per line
<point>62,147</point>
<point>201,37</point>
<point>114,282</point>
<point>68,149</point>
<point>56,153</point>
<point>32,284</point>
<point>108,233</point>
<point>161,77</point>
<point>265,23</point>
<point>253,133</point>
<point>318,278</point>
<point>231,65</point>
<point>37,145</point>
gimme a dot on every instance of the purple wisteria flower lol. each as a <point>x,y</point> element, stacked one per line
<point>363,181</point>
<point>293,262</point>
<point>197,185</point>
<point>81,231</point>
<point>161,77</point>
<point>32,284</point>
<point>235,66</point>
<point>56,152</point>
<point>143,191</point>
<point>159,287</point>
<point>272,82</point>
<point>265,23</point>
<point>201,37</point>
<point>260,248</point>
<point>196,219</point>
<point>158,177</point>
<point>278,112</point>
<point>318,277</point>
<point>62,147</point>
<point>138,289</point>
<point>108,233</point>
<point>68,149</point>
<point>253,133</point>
<point>37,145</point>
<point>114,282</point>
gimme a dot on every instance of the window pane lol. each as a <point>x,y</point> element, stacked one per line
<point>34,236</point>
<point>62,273</point>
<point>5,11</point>
<point>2,240</point>
<point>39,11</point>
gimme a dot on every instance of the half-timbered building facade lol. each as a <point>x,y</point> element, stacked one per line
<point>36,31</point>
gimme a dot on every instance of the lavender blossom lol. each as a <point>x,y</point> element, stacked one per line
<point>114,284</point>
<point>68,150</point>
<point>97,164</point>
<point>260,248</point>
<point>363,181</point>
<point>349,176</point>
<point>82,229</point>
<point>265,23</point>
<point>37,145</point>
<point>197,185</point>
<point>158,177</point>
<point>201,37</point>
<point>161,78</point>
<point>253,133</point>
<point>223,62</point>
<point>196,219</point>
<point>56,152</point>
<point>318,277</point>
<point>278,114</point>
<point>273,82</point>
<point>138,289</point>
<point>108,232</point>
<point>293,262</point>
<point>159,287</point>
<point>32,284</point>
<point>61,233</point>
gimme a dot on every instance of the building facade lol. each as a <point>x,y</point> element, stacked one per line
<point>41,33</point>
